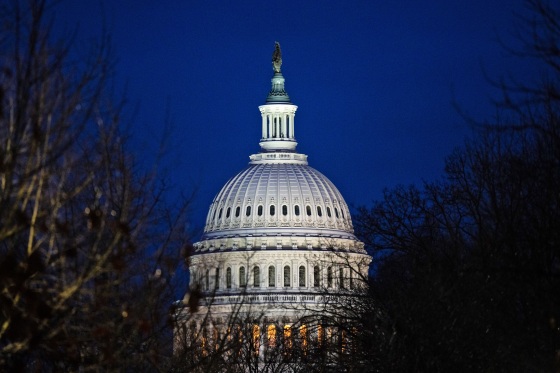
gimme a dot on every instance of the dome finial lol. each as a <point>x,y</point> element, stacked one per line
<point>276,57</point>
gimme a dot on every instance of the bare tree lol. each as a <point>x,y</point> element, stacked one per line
<point>88,249</point>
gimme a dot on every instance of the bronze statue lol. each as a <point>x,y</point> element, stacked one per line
<point>276,58</point>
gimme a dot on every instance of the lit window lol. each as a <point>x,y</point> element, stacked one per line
<point>271,335</point>
<point>288,337</point>
<point>256,339</point>
<point>296,210</point>
<point>271,276</point>
<point>302,276</point>
<point>303,338</point>
<point>272,210</point>
<point>286,276</point>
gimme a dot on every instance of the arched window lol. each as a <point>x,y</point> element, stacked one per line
<point>256,277</point>
<point>329,211</point>
<point>271,276</point>
<point>256,338</point>
<point>296,210</point>
<point>237,211</point>
<point>284,210</point>
<point>260,210</point>
<point>228,212</point>
<point>301,276</point>
<point>329,277</point>
<point>308,210</point>
<point>341,277</point>
<point>336,212</point>
<point>342,212</point>
<point>271,335</point>
<point>316,276</point>
<point>220,214</point>
<point>351,279</point>
<point>217,278</point>
<point>272,210</point>
<point>319,211</point>
<point>228,278</point>
<point>242,278</point>
<point>248,211</point>
<point>287,276</point>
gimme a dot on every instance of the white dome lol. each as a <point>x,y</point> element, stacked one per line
<point>278,195</point>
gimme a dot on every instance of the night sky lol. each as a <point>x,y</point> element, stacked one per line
<point>375,83</point>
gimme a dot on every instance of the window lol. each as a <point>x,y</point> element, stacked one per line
<point>207,280</point>
<point>242,278</point>
<point>351,279</point>
<point>329,211</point>
<point>288,337</point>
<point>271,276</point>
<point>286,276</point>
<point>248,211</point>
<point>341,277</point>
<point>319,211</point>
<point>256,339</point>
<point>228,278</point>
<point>284,210</point>
<point>228,212</point>
<point>256,277</point>
<point>272,210</point>
<point>336,212</point>
<point>271,335</point>
<point>220,214</point>
<point>308,210</point>
<point>217,279</point>
<point>329,277</point>
<point>301,276</point>
<point>260,210</point>
<point>237,211</point>
<point>303,338</point>
<point>342,212</point>
<point>316,276</point>
<point>296,210</point>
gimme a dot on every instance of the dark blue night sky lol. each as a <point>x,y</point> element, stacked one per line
<point>374,81</point>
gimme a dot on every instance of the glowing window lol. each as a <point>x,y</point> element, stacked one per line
<point>303,338</point>
<point>256,339</point>
<point>288,336</point>
<point>271,335</point>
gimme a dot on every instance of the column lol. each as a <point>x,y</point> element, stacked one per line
<point>264,126</point>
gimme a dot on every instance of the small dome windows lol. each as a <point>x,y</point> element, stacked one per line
<point>319,211</point>
<point>228,212</point>
<point>260,210</point>
<point>272,210</point>
<point>308,210</point>
<point>248,211</point>
<point>336,212</point>
<point>220,214</point>
<point>284,210</point>
<point>237,211</point>
<point>329,212</point>
<point>296,210</point>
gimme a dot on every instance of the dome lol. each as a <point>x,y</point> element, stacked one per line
<point>278,196</point>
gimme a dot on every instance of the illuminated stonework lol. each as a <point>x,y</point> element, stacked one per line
<point>278,243</point>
